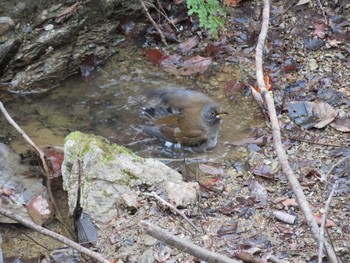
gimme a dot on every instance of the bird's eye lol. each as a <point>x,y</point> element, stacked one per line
<point>213,113</point>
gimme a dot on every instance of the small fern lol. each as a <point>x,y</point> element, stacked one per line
<point>211,14</point>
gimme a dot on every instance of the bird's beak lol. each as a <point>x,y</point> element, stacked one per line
<point>219,115</point>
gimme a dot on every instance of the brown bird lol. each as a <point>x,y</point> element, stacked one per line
<point>187,117</point>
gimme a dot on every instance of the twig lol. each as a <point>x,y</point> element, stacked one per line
<point>324,218</point>
<point>278,146</point>
<point>323,12</point>
<point>184,245</point>
<point>26,137</point>
<point>53,235</point>
<point>161,11</point>
<point>331,170</point>
<point>154,23</point>
<point>173,208</point>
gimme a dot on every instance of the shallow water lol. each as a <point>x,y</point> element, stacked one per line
<point>109,105</point>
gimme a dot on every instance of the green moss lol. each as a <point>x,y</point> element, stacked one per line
<point>84,143</point>
<point>130,174</point>
<point>106,194</point>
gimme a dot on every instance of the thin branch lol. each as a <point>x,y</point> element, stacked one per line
<point>323,12</point>
<point>53,235</point>
<point>154,23</point>
<point>184,245</point>
<point>333,167</point>
<point>173,208</point>
<point>26,137</point>
<point>278,146</point>
<point>161,11</point>
<point>324,219</point>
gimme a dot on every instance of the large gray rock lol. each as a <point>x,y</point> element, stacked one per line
<point>109,174</point>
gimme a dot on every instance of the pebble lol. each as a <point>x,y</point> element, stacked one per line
<point>49,27</point>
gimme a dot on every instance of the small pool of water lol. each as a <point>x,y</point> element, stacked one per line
<point>109,105</point>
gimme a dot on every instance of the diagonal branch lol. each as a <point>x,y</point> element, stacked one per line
<point>277,142</point>
<point>98,257</point>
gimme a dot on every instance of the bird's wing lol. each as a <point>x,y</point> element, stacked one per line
<point>168,120</point>
<point>179,99</point>
<point>163,132</point>
<point>190,137</point>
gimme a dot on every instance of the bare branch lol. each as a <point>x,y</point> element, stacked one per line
<point>154,23</point>
<point>278,146</point>
<point>184,245</point>
<point>53,235</point>
<point>324,219</point>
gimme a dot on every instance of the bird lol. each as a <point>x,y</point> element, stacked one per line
<point>185,117</point>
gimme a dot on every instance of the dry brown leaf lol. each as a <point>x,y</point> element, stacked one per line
<point>302,2</point>
<point>341,124</point>
<point>329,223</point>
<point>188,44</point>
<point>289,202</point>
<point>192,66</point>
<point>233,2</point>
<point>208,169</point>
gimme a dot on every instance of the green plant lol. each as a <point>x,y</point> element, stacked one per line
<point>211,14</point>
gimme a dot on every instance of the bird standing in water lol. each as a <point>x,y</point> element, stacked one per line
<point>187,117</point>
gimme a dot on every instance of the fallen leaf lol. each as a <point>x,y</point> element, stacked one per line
<point>40,210</point>
<point>289,202</point>
<point>341,124</point>
<point>232,2</point>
<point>302,2</point>
<point>252,140</point>
<point>155,56</point>
<point>329,223</point>
<point>228,228</point>
<point>320,28</point>
<point>311,114</point>
<point>233,86</point>
<point>197,64</point>
<point>263,171</point>
<point>258,192</point>
<point>189,44</point>
<point>54,157</point>
<point>208,169</point>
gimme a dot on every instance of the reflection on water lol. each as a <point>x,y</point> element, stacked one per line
<point>108,105</point>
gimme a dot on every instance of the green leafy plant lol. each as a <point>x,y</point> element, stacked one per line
<point>211,14</point>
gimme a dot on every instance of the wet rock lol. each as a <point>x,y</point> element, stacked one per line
<point>22,183</point>
<point>129,201</point>
<point>109,172</point>
<point>8,41</point>
<point>6,24</point>
<point>40,210</point>
<point>314,44</point>
<point>56,43</point>
<point>147,257</point>
<point>183,194</point>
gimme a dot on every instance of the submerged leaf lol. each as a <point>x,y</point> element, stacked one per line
<point>194,65</point>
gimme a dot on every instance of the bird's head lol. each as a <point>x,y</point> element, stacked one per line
<point>212,113</point>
